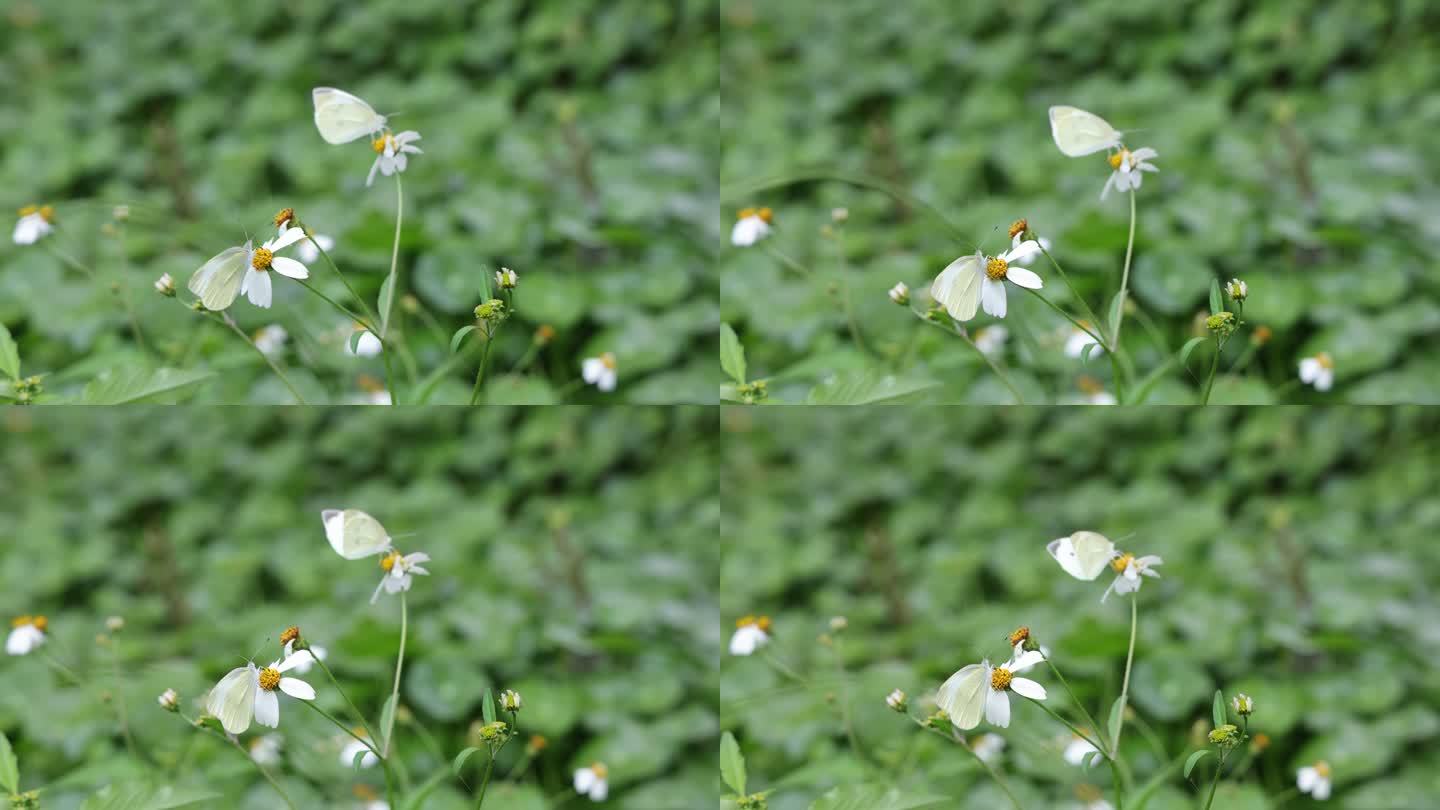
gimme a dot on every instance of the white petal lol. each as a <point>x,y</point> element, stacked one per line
<point>267,709</point>
<point>1306,778</point>
<point>289,267</point>
<point>1024,278</point>
<point>286,239</point>
<point>369,179</point>
<point>1322,789</point>
<point>1025,661</point>
<point>257,287</point>
<point>1023,252</point>
<point>997,708</point>
<point>992,297</point>
<point>584,779</point>
<point>1024,687</point>
<point>296,688</point>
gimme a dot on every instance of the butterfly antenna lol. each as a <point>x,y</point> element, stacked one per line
<point>257,652</point>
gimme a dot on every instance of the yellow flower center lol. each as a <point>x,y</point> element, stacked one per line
<point>262,258</point>
<point>291,633</point>
<point>765,214</point>
<point>996,268</point>
<point>47,213</point>
<point>20,621</point>
<point>1323,768</point>
<point>388,562</point>
<point>269,679</point>
<point>762,622</point>
<point>1121,562</point>
<point>1089,385</point>
<point>608,360</point>
<point>1088,793</point>
<point>1123,156</point>
<point>285,215</point>
<point>1017,227</point>
<point>1019,635</point>
<point>601,772</point>
<point>1324,360</point>
<point>28,210</point>
<point>1000,679</point>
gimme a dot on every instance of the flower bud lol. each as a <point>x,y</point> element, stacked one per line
<point>490,311</point>
<point>1021,228</point>
<point>494,732</point>
<point>1243,704</point>
<point>1226,736</point>
<point>900,293</point>
<point>506,279</point>
<point>897,701</point>
<point>283,216</point>
<point>1221,324</point>
<point>839,215</point>
<point>165,285</point>
<point>115,624</point>
<point>169,700</point>
<point>1237,289</point>
<point>938,720</point>
<point>838,624</point>
<point>510,700</point>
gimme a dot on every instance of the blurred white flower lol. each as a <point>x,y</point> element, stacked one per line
<point>270,340</point>
<point>256,285</point>
<point>1318,371</point>
<point>900,293</point>
<point>1006,266</point>
<point>390,153</point>
<point>593,782</point>
<point>1077,341</point>
<point>398,570</point>
<point>305,659</point>
<point>1128,167</point>
<point>751,633</point>
<point>507,279</point>
<point>165,285</point>
<point>981,688</point>
<point>307,251</point>
<point>751,225</point>
<point>1314,779</point>
<point>35,224</point>
<point>352,746</point>
<point>988,747</point>
<point>1129,570</point>
<point>990,340</point>
<point>367,345</point>
<point>26,633</point>
<point>896,700</point>
<point>265,749</point>
<point>1076,750</point>
<point>169,700</point>
<point>600,371</point>
<point>1237,289</point>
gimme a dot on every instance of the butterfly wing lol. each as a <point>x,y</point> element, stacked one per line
<point>1093,552</point>
<point>342,117</point>
<point>218,281</point>
<point>233,699</point>
<point>1080,133</point>
<point>962,696</point>
<point>353,533</point>
<point>957,288</point>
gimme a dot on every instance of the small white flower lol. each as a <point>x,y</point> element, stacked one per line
<point>1099,804</point>
<point>169,700</point>
<point>265,749</point>
<point>506,279</point>
<point>250,690</point>
<point>1127,167</point>
<point>256,285</point>
<point>593,782</point>
<point>751,633</point>
<point>26,633</point>
<point>900,293</point>
<point>510,701</point>
<point>351,747</point>
<point>1100,398</point>
<point>1078,339</point>
<point>270,340</point>
<point>600,371</point>
<point>998,269</point>
<point>1129,569</point>
<point>367,345</point>
<point>1243,704</point>
<point>1237,289</point>
<point>1318,371</point>
<point>165,285</point>
<point>398,570</point>
<point>751,225</point>
<point>390,152</point>
<point>981,687</point>
<point>1314,779</point>
<point>1076,750</point>
<point>896,700</point>
<point>988,747</point>
<point>305,659</point>
<point>990,340</point>
<point>35,224</point>
<point>309,253</point>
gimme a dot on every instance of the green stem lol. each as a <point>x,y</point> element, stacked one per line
<point>399,666</point>
<point>781,667</point>
<point>480,375</point>
<point>343,280</point>
<point>1210,378</point>
<point>861,181</point>
<point>1073,728</point>
<point>1215,780</point>
<point>1089,313</point>
<point>1067,316</point>
<point>994,776</point>
<point>1068,691</point>
<point>845,294</point>
<point>358,715</point>
<point>845,715</point>
<point>954,330</point>
<point>485,780</point>
<point>1125,274</point>
<point>339,307</point>
<point>333,719</point>
<point>790,264</point>
<point>1125,683</point>
<point>238,747</point>
<point>393,283</point>
<point>225,318</point>
<point>120,703</point>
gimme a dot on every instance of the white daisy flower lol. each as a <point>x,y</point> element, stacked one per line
<point>307,251</point>
<point>998,269</point>
<point>751,633</point>
<point>1129,569</point>
<point>1077,749</point>
<point>390,152</point>
<point>248,690</point>
<point>351,746</point>
<point>1099,804</point>
<point>256,285</point>
<point>507,279</point>
<point>270,340</point>
<point>1128,167</point>
<point>751,225</point>
<point>988,747</point>
<point>1078,339</point>
<point>1318,371</point>
<point>593,782</point>
<point>981,688</point>
<point>26,633</point>
<point>600,371</point>
<point>305,659</point>
<point>398,570</point>
<point>265,749</point>
<point>990,340</point>
<point>1314,779</point>
<point>36,222</point>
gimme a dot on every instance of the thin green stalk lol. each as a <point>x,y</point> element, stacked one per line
<point>1215,780</point>
<point>790,264</point>
<point>1068,691</point>
<point>1125,684</point>
<point>120,704</point>
<point>1125,274</point>
<point>61,668</point>
<point>861,181</point>
<point>233,743</point>
<point>485,780</point>
<point>225,318</point>
<point>994,775</point>
<point>480,375</point>
<point>343,280</point>
<point>1210,378</point>
<point>781,667</point>
<point>118,289</point>
<point>358,714</point>
<point>845,293</point>
<point>399,666</point>
<point>339,307</point>
<point>1067,316</point>
<point>1004,378</point>
<point>1109,759</point>
<point>1089,313</point>
<point>393,283</point>
<point>1073,728</point>
<point>845,716</point>
<point>333,719</point>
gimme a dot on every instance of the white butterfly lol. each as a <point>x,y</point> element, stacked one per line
<point>354,534</point>
<point>1080,133</point>
<point>238,696</point>
<point>1083,555</point>
<point>957,288</point>
<point>218,281</point>
<point>342,117</point>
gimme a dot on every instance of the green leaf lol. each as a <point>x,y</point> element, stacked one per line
<point>9,766</point>
<point>358,758</point>
<point>1217,302</point>
<point>732,764</point>
<point>460,759</point>
<point>1117,720</point>
<point>1092,759</point>
<point>1085,353</point>
<point>1117,308</point>
<point>387,721</point>
<point>387,297</point>
<point>459,336</point>
<point>487,706</point>
<point>1217,709</point>
<point>862,388</point>
<point>9,354</point>
<point>1194,760</point>
<point>1190,347</point>
<point>121,386</point>
<point>732,354</point>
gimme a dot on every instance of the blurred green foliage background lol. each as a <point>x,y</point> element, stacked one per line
<point>573,560</point>
<point>1299,567</point>
<point>574,142</point>
<point>1296,152</point>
